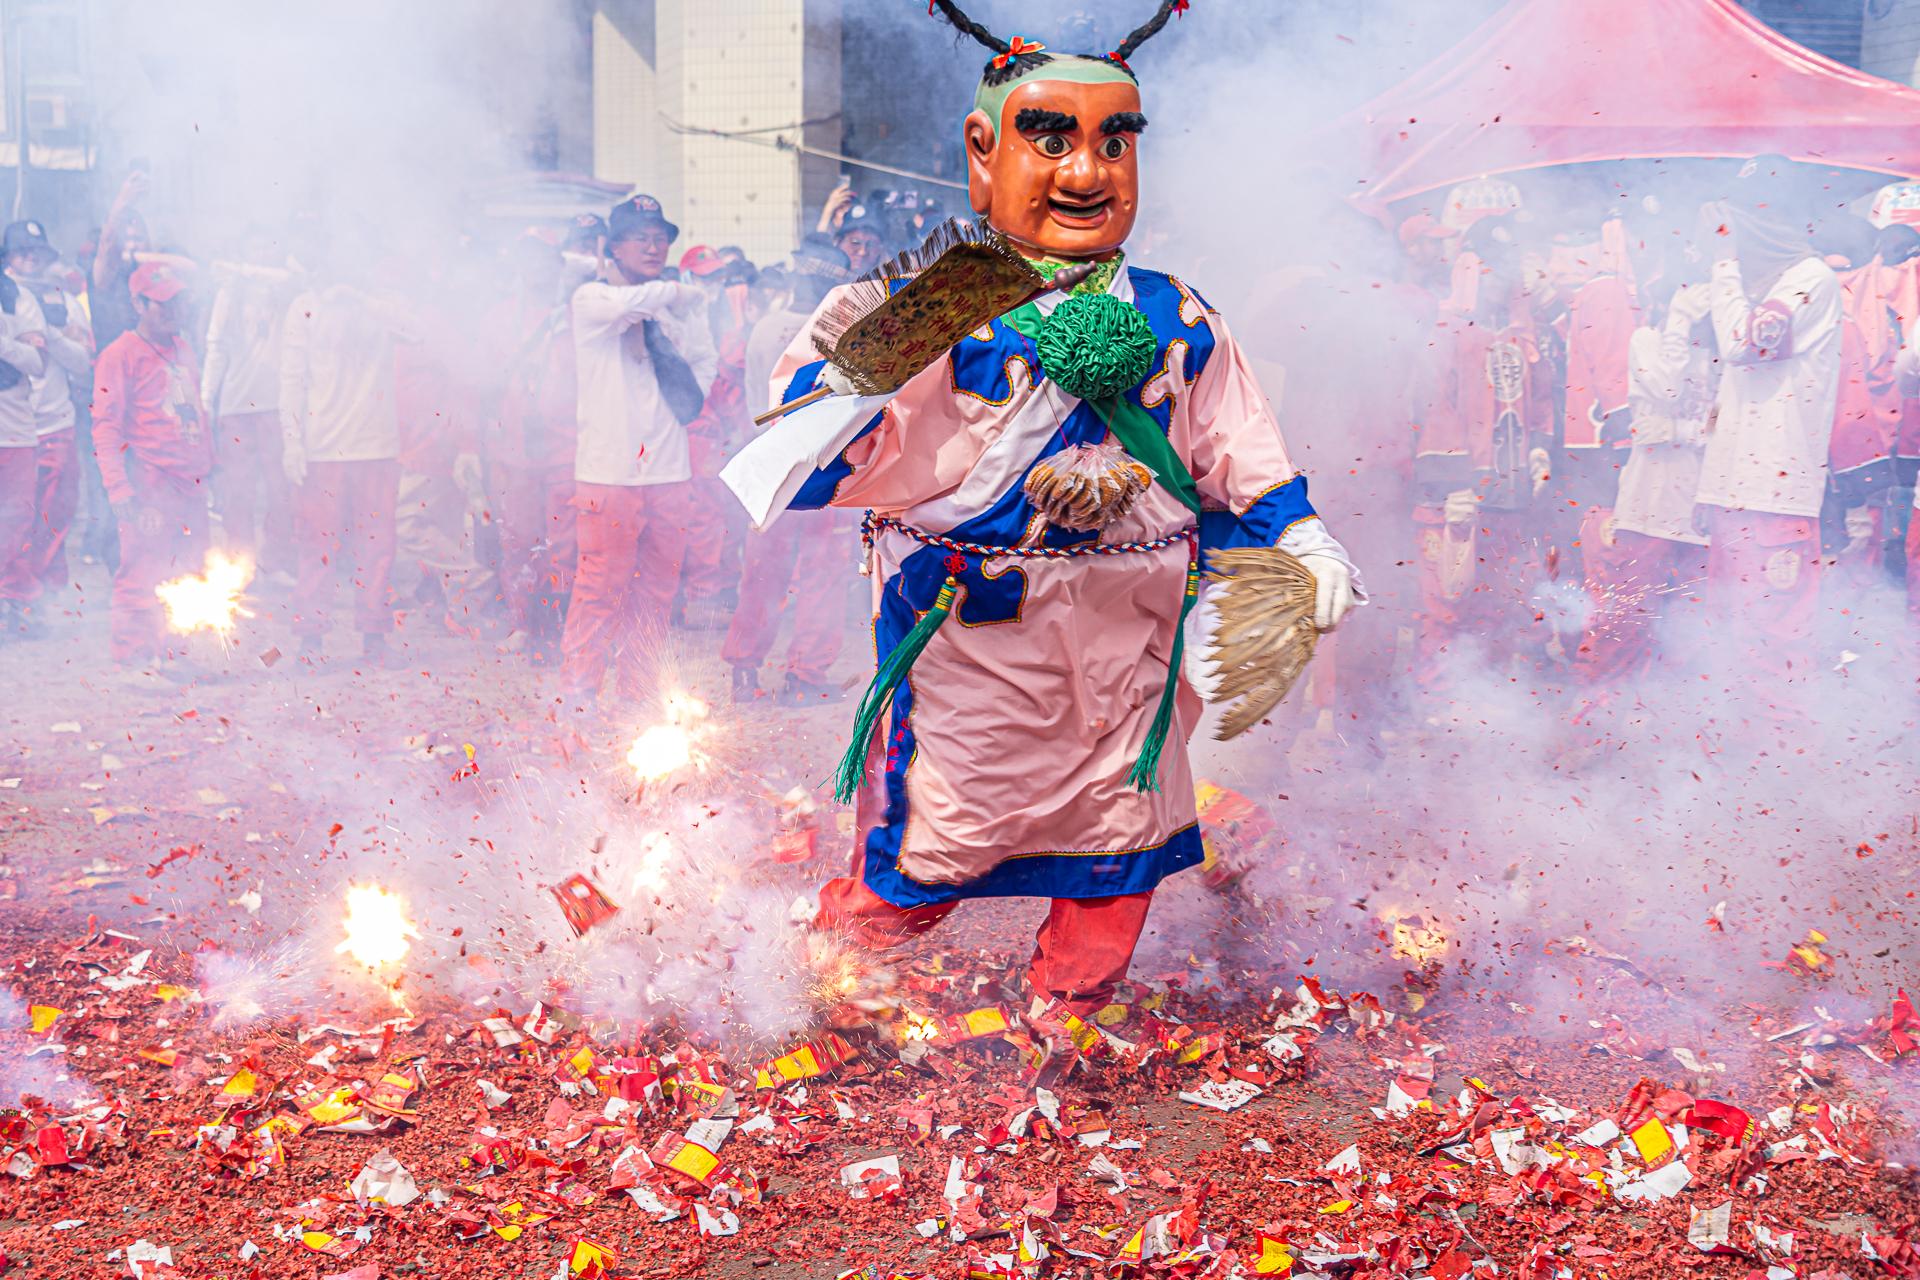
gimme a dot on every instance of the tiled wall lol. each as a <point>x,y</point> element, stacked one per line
<point>1890,41</point>
<point>720,64</point>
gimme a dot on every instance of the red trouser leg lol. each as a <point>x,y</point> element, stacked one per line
<point>373,491</point>
<point>169,539</point>
<point>319,523</point>
<point>631,540</point>
<point>1084,947</point>
<point>764,581</point>
<point>56,497</point>
<point>847,903</point>
<point>344,511</point>
<point>18,472</point>
<point>1763,579</point>
<point>1628,579</point>
<point>706,570</point>
<point>1476,585</point>
<point>537,548</point>
<point>249,483</point>
<point>819,596</point>
<point>664,537</point>
<point>1081,952</point>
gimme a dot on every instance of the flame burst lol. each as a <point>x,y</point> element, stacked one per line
<point>666,748</point>
<point>209,600</point>
<point>379,935</point>
<point>1416,937</point>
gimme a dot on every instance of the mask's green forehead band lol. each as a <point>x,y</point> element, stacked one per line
<point>993,98</point>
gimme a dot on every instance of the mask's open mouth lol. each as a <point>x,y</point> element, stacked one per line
<point>1089,213</point>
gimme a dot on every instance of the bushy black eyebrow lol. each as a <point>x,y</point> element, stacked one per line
<point>1037,120</point>
<point>1123,122</point>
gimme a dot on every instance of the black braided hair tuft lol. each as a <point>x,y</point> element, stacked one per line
<point>967,26</point>
<point>1149,29</point>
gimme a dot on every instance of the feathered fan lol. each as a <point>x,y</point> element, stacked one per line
<point>1266,634</point>
<point>964,276</point>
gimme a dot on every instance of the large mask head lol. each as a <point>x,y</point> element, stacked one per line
<point>1052,158</point>
<point>1052,143</point>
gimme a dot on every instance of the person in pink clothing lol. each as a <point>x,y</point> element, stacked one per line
<point>341,451</point>
<point>789,569</point>
<point>1030,672</point>
<point>1776,313</point>
<point>155,453</point>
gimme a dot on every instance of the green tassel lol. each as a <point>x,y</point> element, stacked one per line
<point>879,695</point>
<point>1146,770</point>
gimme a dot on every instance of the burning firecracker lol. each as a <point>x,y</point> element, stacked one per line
<point>378,933</point>
<point>209,600</point>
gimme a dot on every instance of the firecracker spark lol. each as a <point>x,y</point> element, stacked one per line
<point>210,599</point>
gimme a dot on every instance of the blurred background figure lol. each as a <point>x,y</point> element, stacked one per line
<point>38,574</point>
<point>155,453</point>
<point>241,389</point>
<point>341,444</point>
<point>795,569</point>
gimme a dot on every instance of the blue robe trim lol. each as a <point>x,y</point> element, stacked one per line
<point>817,490</point>
<point>1040,875</point>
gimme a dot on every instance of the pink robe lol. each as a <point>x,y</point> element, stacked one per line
<point>1003,766</point>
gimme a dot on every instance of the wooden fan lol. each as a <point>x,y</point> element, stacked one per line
<point>964,276</point>
<point>1266,636</point>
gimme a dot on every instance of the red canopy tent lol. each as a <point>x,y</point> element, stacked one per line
<point>1555,82</point>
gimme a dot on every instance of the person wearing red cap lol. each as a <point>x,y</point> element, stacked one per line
<point>151,441</point>
<point>645,360</point>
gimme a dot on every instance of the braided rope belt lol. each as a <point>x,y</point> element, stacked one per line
<point>984,551</point>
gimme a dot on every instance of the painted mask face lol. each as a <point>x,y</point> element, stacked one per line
<point>1059,171</point>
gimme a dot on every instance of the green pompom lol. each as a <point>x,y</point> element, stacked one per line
<point>1096,346</point>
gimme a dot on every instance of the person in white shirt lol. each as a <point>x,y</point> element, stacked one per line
<point>1776,316</point>
<point>240,385</point>
<point>23,347</point>
<point>645,359</point>
<point>341,451</point>
<point>41,568</point>
<point>1648,551</point>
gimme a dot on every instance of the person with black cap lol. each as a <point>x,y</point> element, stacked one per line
<point>862,236</point>
<point>644,361</point>
<point>42,565</point>
<point>1777,316</point>
<point>775,576</point>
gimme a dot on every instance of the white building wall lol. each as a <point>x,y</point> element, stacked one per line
<point>757,67</point>
<point>1890,40</point>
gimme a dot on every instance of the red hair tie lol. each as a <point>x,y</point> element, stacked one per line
<point>1015,47</point>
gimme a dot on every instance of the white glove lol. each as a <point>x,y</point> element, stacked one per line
<point>1336,584</point>
<point>1332,589</point>
<point>1461,507</point>
<point>1540,468</point>
<point>467,474</point>
<point>836,380</point>
<point>1859,525</point>
<point>293,461</point>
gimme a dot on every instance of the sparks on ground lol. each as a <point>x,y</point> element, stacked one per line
<point>378,933</point>
<point>210,599</point>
